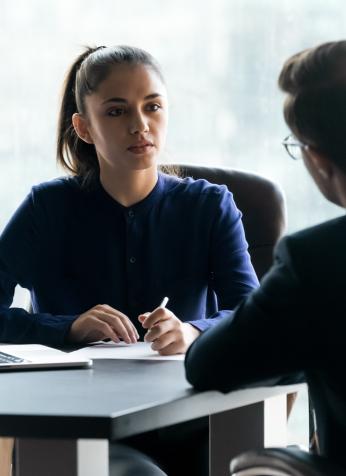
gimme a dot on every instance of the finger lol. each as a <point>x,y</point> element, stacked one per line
<point>108,333</point>
<point>172,349</point>
<point>104,330</point>
<point>164,341</point>
<point>117,325</point>
<point>130,328</point>
<point>143,316</point>
<point>125,319</point>
<point>123,322</point>
<point>158,330</point>
<point>158,315</point>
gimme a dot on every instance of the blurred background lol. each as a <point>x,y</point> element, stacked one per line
<point>221,60</point>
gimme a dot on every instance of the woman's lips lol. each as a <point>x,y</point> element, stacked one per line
<point>140,148</point>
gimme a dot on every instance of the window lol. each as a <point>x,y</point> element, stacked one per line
<point>221,59</point>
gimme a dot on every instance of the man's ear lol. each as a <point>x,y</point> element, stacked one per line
<point>81,127</point>
<point>320,163</point>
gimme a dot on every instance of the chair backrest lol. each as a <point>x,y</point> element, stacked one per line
<point>261,202</point>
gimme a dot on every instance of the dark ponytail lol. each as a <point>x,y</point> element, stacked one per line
<point>83,78</point>
<point>75,155</point>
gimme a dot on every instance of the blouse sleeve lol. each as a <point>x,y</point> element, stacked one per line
<point>232,274</point>
<point>19,255</point>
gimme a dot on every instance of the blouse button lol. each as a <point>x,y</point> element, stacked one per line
<point>131,213</point>
<point>132,259</point>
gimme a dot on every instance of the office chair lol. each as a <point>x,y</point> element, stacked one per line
<point>283,462</point>
<point>126,461</point>
<point>260,201</point>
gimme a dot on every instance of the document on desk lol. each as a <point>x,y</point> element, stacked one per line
<point>111,350</point>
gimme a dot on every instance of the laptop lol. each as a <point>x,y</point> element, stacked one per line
<point>35,356</point>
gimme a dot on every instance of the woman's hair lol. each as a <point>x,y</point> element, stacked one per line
<point>84,77</point>
<point>315,107</point>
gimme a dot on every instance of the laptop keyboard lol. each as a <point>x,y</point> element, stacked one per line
<point>9,359</point>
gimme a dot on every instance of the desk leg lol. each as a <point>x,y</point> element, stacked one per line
<point>254,426</point>
<point>61,457</point>
<point>6,451</point>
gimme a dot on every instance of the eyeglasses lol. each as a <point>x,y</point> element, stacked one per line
<point>294,147</point>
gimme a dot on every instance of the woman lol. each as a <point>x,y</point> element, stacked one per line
<point>99,249</point>
<point>296,320</point>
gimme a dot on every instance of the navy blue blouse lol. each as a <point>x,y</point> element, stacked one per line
<point>74,248</point>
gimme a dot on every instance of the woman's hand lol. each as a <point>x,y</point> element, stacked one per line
<point>103,322</point>
<point>168,334</point>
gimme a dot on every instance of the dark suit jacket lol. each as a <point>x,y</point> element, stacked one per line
<point>296,321</point>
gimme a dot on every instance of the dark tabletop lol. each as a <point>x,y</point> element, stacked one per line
<point>86,402</point>
<point>113,399</point>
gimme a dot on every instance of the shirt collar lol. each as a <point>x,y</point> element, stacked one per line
<point>139,207</point>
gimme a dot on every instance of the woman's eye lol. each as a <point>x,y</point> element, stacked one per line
<point>154,107</point>
<point>116,112</point>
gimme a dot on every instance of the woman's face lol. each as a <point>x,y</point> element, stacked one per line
<point>126,118</point>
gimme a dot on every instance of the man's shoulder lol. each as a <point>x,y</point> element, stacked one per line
<point>329,233</point>
<point>315,250</point>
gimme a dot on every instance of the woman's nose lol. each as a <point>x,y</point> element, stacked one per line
<point>139,124</point>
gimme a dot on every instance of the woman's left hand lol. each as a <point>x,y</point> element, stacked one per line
<point>168,334</point>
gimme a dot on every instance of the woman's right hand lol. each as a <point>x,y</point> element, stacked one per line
<point>102,322</point>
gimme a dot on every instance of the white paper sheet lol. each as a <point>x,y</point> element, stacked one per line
<point>111,350</point>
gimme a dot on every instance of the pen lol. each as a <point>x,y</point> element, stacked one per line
<point>164,302</point>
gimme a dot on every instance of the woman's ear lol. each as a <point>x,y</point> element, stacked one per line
<point>81,127</point>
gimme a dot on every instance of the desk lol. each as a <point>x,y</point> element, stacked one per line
<point>77,411</point>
